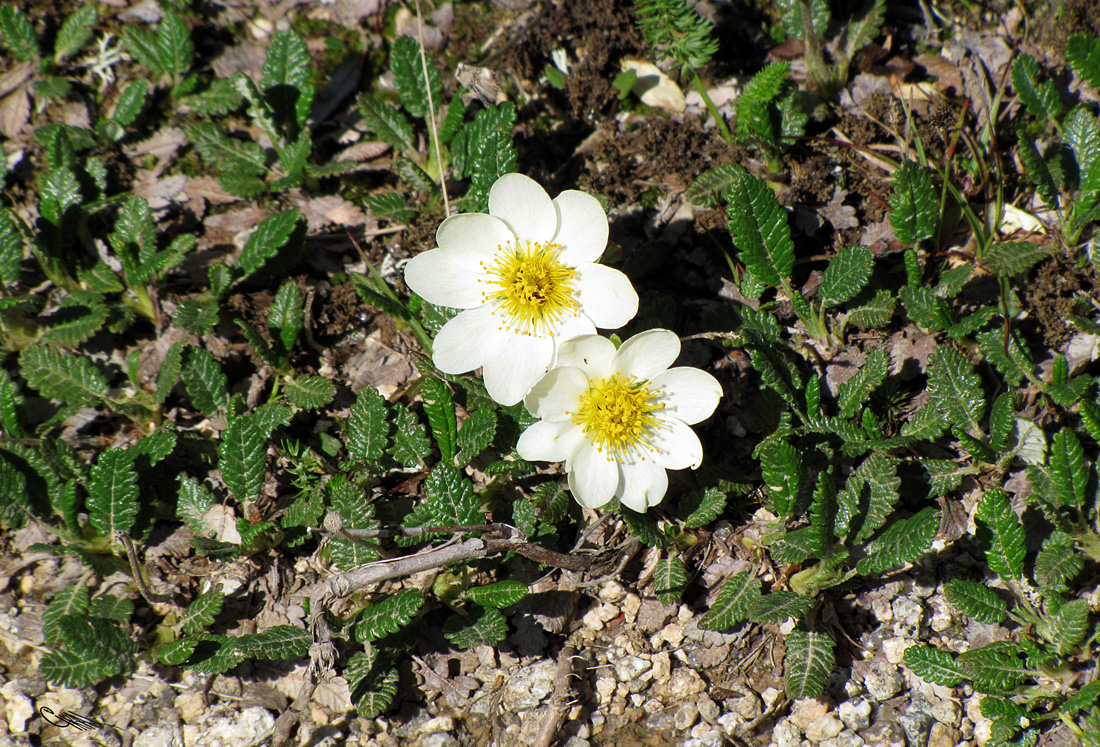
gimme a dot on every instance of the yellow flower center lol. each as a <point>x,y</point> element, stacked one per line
<point>617,415</point>
<point>533,287</point>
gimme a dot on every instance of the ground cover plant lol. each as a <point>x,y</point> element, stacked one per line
<point>379,355</point>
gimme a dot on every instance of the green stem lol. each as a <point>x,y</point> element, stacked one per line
<point>723,128</point>
<point>814,59</point>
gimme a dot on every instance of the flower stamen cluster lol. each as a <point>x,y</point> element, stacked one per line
<point>534,289</point>
<point>616,414</point>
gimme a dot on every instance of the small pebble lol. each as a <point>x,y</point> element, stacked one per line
<point>826,727</point>
<point>883,681</point>
<point>856,714</point>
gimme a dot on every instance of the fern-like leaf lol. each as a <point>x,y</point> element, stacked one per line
<point>808,663</point>
<point>1000,534</point>
<point>914,210</point>
<point>976,600</point>
<point>935,666</point>
<point>903,542</point>
<point>113,492</point>
<point>760,230</point>
<point>732,604</point>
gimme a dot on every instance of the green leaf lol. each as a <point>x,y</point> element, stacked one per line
<point>914,210</point>
<point>270,236</point>
<point>862,31</point>
<point>193,501</point>
<point>439,406</point>
<point>175,50</point>
<point>875,313</point>
<point>310,392</point>
<point>196,315</point>
<point>1081,132</point>
<point>243,459</point>
<point>791,15</point>
<point>357,512</point>
<point>1000,534</point>
<point>72,600</point>
<point>130,102</point>
<point>201,612</point>
<point>846,275</point>
<point>278,642</point>
<point>778,606</point>
<point>489,151</point>
<point>677,31</point>
<point>1058,563</point>
<point>992,670</point>
<point>217,99</point>
<point>499,595</point>
<point>75,32</point>
<point>368,429</point>
<point>732,603</point>
<point>976,600</point>
<point>410,446</point>
<point>1041,100</point>
<point>644,527</point>
<point>760,230</point>
<point>781,467</point>
<point>1070,470</point>
<point>409,80</point>
<point>709,186</point>
<point>177,652</point>
<point>77,669</point>
<point>390,205</point>
<point>485,626</point>
<point>905,541</point>
<point>226,154</point>
<point>869,496</point>
<point>701,508</point>
<point>1083,53</point>
<point>141,44</point>
<point>754,107</point>
<point>79,315</point>
<point>935,666</point>
<point>854,392</point>
<point>287,315</point>
<point>1013,257</point>
<point>1038,171</point>
<point>388,123</point>
<point>67,377</point>
<point>286,82</point>
<point>18,33</point>
<point>113,493</point>
<point>669,580</point>
<point>1070,626</point>
<point>955,390</point>
<point>476,434</point>
<point>808,663</point>
<point>15,238</point>
<point>205,382</point>
<point>388,615</point>
<point>451,499</point>
<point>1082,699</point>
<point>373,688</point>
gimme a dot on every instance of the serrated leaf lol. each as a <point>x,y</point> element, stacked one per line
<point>228,155</point>
<point>242,458</point>
<point>287,315</point>
<point>731,606</point>
<point>286,82</point>
<point>869,496</point>
<point>992,670</point>
<point>451,498</point>
<point>388,123</point>
<point>1002,422</point>
<point>1070,626</point>
<point>409,80</point>
<point>875,313</point>
<point>215,654</point>
<point>1038,171</point>
<point>79,316</point>
<point>72,600</point>
<point>755,104</point>
<point>499,595</point>
<point>15,510</point>
<point>1082,699</point>
<point>1070,470</point>
<point>760,230</point>
<point>644,527</point>
<point>196,315</point>
<point>368,429</point>
<point>310,392</point>
<point>808,663</point>
<point>1013,257</point>
<point>440,408</point>
<point>201,612</point>
<point>914,210</point>
<point>854,392</point>
<point>933,665</point>
<point>17,33</point>
<point>205,382</point>
<point>75,32</point>
<point>778,606</point>
<point>1058,563</point>
<point>1083,53</point>
<point>791,16</point>
<point>955,390</point>
<point>846,275</point>
<point>177,652</point>
<point>476,434</point>
<point>77,669</point>
<point>411,446</point>
<point>669,579</point>
<point>945,476</point>
<point>1040,99</point>
<point>976,600</point>
<point>356,512</point>
<point>1000,534</point>
<point>485,626</point>
<point>66,377</point>
<point>709,186</point>
<point>270,236</point>
<point>390,205</point>
<point>175,50</point>
<point>903,542</point>
<point>373,686</point>
<point>113,493</point>
<point>1081,132</point>
<point>796,546</point>
<point>701,508</point>
<point>278,642</point>
<point>388,615</point>
<point>781,467</point>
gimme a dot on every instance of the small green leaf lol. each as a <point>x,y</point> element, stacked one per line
<point>193,501</point>
<point>75,32</point>
<point>1038,171</point>
<point>1041,99</point>
<point>439,406</point>
<point>905,541</point>
<point>755,106</point>
<point>17,33</point>
<point>67,377</point>
<point>644,527</point>
<point>388,615</point>
<point>1082,699</point>
<point>388,123</point>
<point>1013,257</point>
<point>408,78</point>
<point>781,467</point>
<point>1081,132</point>
<point>286,82</point>
<point>310,392</point>
<point>77,669</point>
<point>177,652</point>
<point>778,606</point>
<point>356,512</point>
<point>141,44</point>
<point>175,50</point>
<point>411,446</point>
<point>243,459</point>
<point>914,210</point>
<point>499,595</point>
<point>669,579</point>
<point>373,684</point>
<point>1058,563</point>
<point>732,603</point>
<point>875,313</point>
<point>451,499</point>
<point>855,392</point>
<point>709,186</point>
<point>1083,53</point>
<point>846,275</point>
<point>808,663</point>
<point>760,230</point>
<point>201,612</point>
<point>791,15</point>
<point>868,498</point>
<point>1000,534</point>
<point>287,315</point>
<point>476,433</point>
<point>270,236</point>
<point>992,670</point>
<point>489,151</point>
<point>113,493</point>
<point>933,665</point>
<point>72,600</point>
<point>390,205</point>
<point>278,642</point>
<point>368,429</point>
<point>485,626</point>
<point>205,382</point>
<point>701,508</point>
<point>1070,626</point>
<point>976,600</point>
<point>1070,470</point>
<point>955,390</point>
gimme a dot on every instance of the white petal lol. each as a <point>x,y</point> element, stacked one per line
<point>582,227</point>
<point>513,363</point>
<point>549,442</point>
<point>463,343</point>
<point>556,396</point>
<point>648,353</point>
<point>570,326</point>
<point>591,353</point>
<point>520,202</point>
<point>593,478</point>
<point>473,235</point>
<point>677,445</point>
<point>688,394</point>
<point>445,280</point>
<point>642,484</point>
<point>605,295</point>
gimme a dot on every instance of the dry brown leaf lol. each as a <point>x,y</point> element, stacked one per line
<point>223,520</point>
<point>208,188</point>
<point>332,210</point>
<point>841,216</point>
<point>161,192</point>
<point>366,150</point>
<point>16,77</point>
<point>15,112</point>
<point>378,366</point>
<point>162,146</point>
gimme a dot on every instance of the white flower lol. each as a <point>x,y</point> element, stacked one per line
<point>619,418</point>
<point>527,279</point>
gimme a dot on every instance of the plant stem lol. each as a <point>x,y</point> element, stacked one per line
<point>814,59</point>
<point>723,128</point>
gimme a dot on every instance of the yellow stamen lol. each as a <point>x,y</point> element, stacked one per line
<point>534,289</point>
<point>617,415</point>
